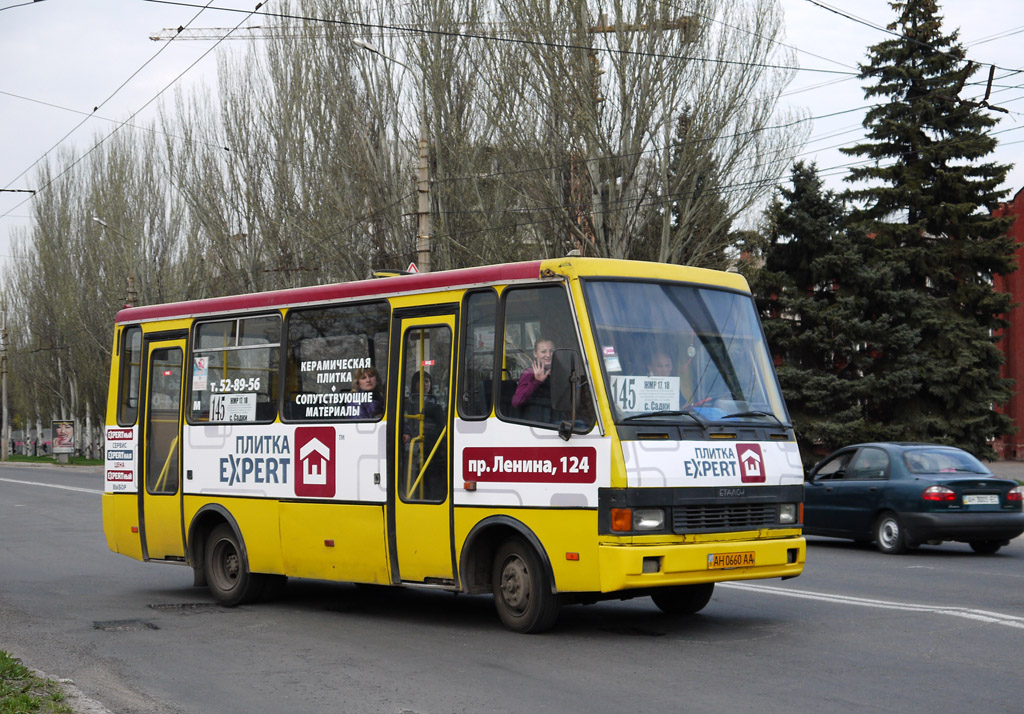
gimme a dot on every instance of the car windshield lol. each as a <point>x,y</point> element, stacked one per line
<point>939,461</point>
<point>676,352</point>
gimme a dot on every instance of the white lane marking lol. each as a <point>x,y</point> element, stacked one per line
<point>52,485</point>
<point>996,618</point>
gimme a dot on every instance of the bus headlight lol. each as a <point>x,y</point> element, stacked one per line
<point>787,513</point>
<point>648,519</point>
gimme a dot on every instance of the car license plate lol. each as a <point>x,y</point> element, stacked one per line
<point>981,499</point>
<point>730,560</point>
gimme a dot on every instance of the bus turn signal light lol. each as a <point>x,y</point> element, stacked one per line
<point>622,520</point>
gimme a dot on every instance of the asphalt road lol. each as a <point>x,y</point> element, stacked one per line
<point>941,630</point>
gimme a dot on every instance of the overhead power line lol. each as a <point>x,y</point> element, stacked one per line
<point>98,106</point>
<point>111,121</point>
<point>377,27</point>
<point>97,145</point>
<point>21,4</point>
<point>880,28</point>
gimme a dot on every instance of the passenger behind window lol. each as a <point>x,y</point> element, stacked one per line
<point>533,393</point>
<point>367,380</point>
<point>432,412</point>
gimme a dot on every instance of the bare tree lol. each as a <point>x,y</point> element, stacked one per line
<point>648,116</point>
<point>103,217</point>
<point>295,173</point>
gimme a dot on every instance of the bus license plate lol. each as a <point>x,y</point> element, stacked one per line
<point>730,560</point>
<point>981,499</point>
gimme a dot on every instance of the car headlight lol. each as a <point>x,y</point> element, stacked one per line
<point>788,513</point>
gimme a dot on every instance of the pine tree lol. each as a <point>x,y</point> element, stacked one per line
<point>808,293</point>
<point>926,205</point>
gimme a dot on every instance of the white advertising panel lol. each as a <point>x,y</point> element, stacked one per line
<point>120,450</point>
<point>710,463</point>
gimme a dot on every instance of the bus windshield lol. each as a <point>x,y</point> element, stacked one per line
<point>677,352</point>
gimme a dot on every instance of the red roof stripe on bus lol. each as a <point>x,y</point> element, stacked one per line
<point>318,293</point>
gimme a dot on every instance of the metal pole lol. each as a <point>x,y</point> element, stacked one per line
<point>6,430</point>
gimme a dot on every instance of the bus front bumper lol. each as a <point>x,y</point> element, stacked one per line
<point>632,566</point>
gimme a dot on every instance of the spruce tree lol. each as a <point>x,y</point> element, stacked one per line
<point>925,203</point>
<point>808,294</point>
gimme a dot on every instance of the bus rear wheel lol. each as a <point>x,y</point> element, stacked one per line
<point>522,588</point>
<point>229,580</point>
<point>683,599</point>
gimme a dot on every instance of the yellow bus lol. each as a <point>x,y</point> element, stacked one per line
<point>551,432</point>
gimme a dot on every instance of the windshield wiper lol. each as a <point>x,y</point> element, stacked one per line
<point>755,412</point>
<point>670,412</point>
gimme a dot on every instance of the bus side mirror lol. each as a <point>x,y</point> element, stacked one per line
<point>565,380</point>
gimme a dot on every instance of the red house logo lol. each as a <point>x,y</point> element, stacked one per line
<point>751,463</point>
<point>315,473</point>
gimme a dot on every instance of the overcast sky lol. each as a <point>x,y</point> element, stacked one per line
<point>62,58</point>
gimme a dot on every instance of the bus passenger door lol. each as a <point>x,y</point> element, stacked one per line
<point>421,480</point>
<point>160,509</point>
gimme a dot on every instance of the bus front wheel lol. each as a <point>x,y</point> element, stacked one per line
<point>683,599</point>
<point>229,580</point>
<point>522,588</point>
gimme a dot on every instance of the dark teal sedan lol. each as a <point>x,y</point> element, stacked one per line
<point>904,495</point>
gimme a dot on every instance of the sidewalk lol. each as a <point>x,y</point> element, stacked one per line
<point>52,464</point>
<point>1007,469</point>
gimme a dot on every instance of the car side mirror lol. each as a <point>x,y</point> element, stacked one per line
<point>565,380</point>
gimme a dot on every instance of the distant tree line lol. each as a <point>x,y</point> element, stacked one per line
<point>630,130</point>
<point>641,130</point>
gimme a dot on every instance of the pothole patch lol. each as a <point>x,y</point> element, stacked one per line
<point>187,608</point>
<point>124,625</point>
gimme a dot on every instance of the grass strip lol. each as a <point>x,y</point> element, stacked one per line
<point>22,692</point>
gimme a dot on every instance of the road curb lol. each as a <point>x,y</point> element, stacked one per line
<point>76,699</point>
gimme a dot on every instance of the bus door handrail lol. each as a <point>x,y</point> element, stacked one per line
<point>161,480</point>
<point>418,483</point>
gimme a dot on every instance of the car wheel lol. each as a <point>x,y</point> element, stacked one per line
<point>889,534</point>
<point>522,588</point>
<point>229,580</point>
<point>985,547</point>
<point>684,599</point>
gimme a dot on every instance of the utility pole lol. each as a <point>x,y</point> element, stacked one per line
<point>586,211</point>
<point>131,298</point>
<point>5,432</point>
<point>423,201</point>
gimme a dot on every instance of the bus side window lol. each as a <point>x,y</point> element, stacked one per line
<point>538,321</point>
<point>128,382</point>
<point>328,350</point>
<point>477,369</point>
<point>234,371</point>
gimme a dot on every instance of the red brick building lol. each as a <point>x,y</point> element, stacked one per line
<point>1012,344</point>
